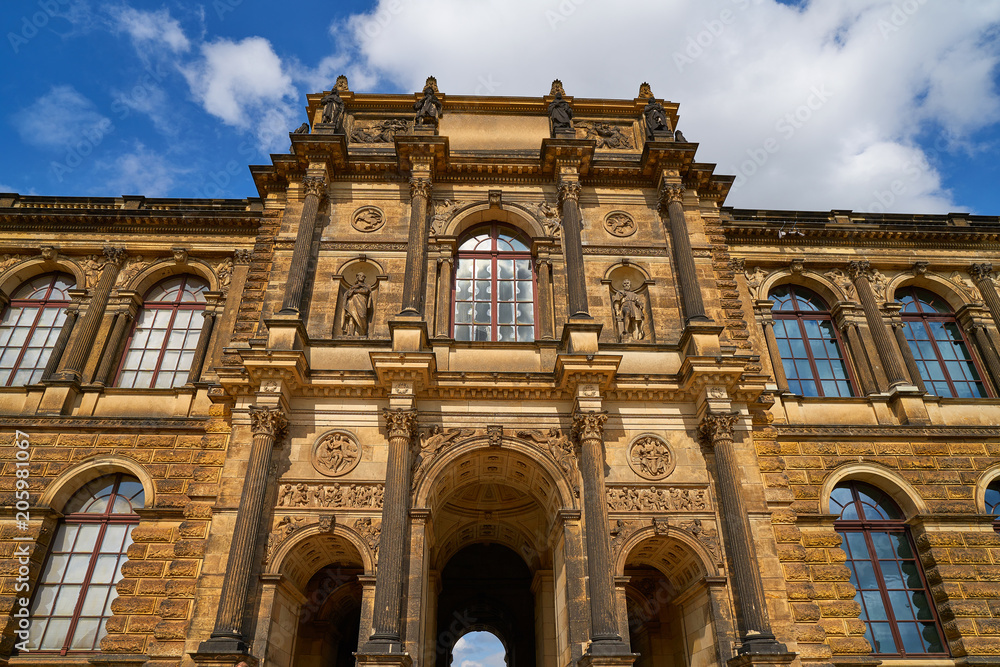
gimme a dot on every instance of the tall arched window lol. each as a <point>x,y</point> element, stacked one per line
<point>891,589</point>
<point>494,287</point>
<point>938,345</point>
<point>163,342</point>
<point>30,327</point>
<point>992,501</point>
<point>73,597</point>
<point>808,343</point>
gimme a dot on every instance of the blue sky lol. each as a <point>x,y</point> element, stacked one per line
<point>873,105</point>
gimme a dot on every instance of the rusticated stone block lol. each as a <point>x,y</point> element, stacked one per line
<point>939,538</point>
<point>136,551</point>
<point>116,624</point>
<point>176,588</point>
<point>153,441</point>
<point>203,458</point>
<point>205,474</point>
<point>160,551</point>
<point>814,652</point>
<point>850,646</point>
<point>942,477</point>
<point>198,511</point>
<point>142,623</point>
<point>193,529</point>
<point>855,448</point>
<point>963,609</point>
<point>174,609</point>
<point>771,463</point>
<point>806,492</point>
<point>892,448</point>
<point>172,500</point>
<point>982,539</point>
<point>805,462</point>
<point>830,573</point>
<point>840,609</point>
<point>931,449</point>
<point>987,572</point>
<point>825,591</point>
<point>981,589</point>
<point>987,626</point>
<point>821,539</point>
<point>797,477</point>
<point>157,587</point>
<point>816,556</point>
<point>183,568</point>
<point>918,462</point>
<point>954,462</point>
<point>172,456</point>
<point>981,645</point>
<point>791,553</point>
<point>959,492</point>
<point>115,440</point>
<point>123,643</point>
<point>798,590</point>
<point>195,548</point>
<point>833,627</point>
<point>170,485</point>
<point>143,533</point>
<point>142,569</point>
<point>170,630</point>
<point>133,604</point>
<point>787,534</point>
<point>818,448</point>
<point>796,572</point>
<point>810,634</point>
<point>805,612</point>
<point>126,586</point>
<point>969,555</point>
<point>76,440</point>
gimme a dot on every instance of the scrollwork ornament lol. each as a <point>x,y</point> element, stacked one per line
<point>268,421</point>
<point>650,457</point>
<point>367,219</point>
<point>589,425</point>
<point>718,428</point>
<point>400,423</point>
<point>569,190</point>
<point>314,185</point>
<point>420,187</point>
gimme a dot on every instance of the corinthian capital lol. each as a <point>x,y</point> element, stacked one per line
<point>860,268</point>
<point>589,425</point>
<point>982,271</point>
<point>400,423</point>
<point>718,428</point>
<point>268,421</point>
<point>420,187</point>
<point>314,185</point>
<point>671,192</point>
<point>115,254</point>
<point>569,190</point>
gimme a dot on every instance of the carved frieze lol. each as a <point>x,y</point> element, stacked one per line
<point>336,453</point>
<point>657,499</point>
<point>650,457</point>
<point>336,494</point>
<point>608,135</point>
<point>619,223</point>
<point>377,131</point>
<point>368,219</point>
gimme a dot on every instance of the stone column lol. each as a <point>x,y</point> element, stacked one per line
<point>982,276</point>
<point>763,308</point>
<point>393,542</point>
<point>314,187</point>
<point>588,428</point>
<point>860,272</point>
<point>367,582</point>
<point>123,320</point>
<point>72,313</point>
<point>908,360</point>
<point>200,352</point>
<point>543,266</point>
<point>671,200</point>
<point>443,318</point>
<point>755,627</point>
<point>986,351</point>
<point>76,358</point>
<point>268,426</point>
<point>860,357</point>
<point>415,276</point>
<point>576,279</point>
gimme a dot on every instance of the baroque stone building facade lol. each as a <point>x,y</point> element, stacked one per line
<point>505,364</point>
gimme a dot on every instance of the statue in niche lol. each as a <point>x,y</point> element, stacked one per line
<point>656,118</point>
<point>561,115</point>
<point>333,108</point>
<point>629,313</point>
<point>428,108</point>
<point>357,307</point>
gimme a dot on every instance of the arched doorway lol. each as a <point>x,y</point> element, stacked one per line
<point>330,621</point>
<point>487,587</point>
<point>480,647</point>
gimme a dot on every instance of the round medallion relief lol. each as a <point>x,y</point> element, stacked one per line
<point>336,453</point>
<point>619,223</point>
<point>367,219</point>
<point>650,457</point>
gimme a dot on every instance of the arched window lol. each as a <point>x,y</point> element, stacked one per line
<point>163,342</point>
<point>938,345</point>
<point>30,327</point>
<point>891,589</point>
<point>73,597</point>
<point>992,501</point>
<point>494,287</point>
<point>808,343</point>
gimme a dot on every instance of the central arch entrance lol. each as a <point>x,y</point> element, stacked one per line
<point>487,587</point>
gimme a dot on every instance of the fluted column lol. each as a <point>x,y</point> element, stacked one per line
<point>544,271</point>
<point>763,308</point>
<point>755,627</point>
<point>393,542</point>
<point>860,357</point>
<point>112,350</point>
<point>982,276</point>
<point>859,272</point>
<point>987,351</point>
<point>443,319</point>
<point>60,346</point>
<point>76,358</point>
<point>201,352</point>
<point>671,200</point>
<point>415,276</point>
<point>314,187</point>
<point>908,360</point>
<point>576,279</point>
<point>268,427</point>
<point>589,430</point>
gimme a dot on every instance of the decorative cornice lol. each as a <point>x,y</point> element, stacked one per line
<point>718,428</point>
<point>400,423</point>
<point>885,431</point>
<point>268,421</point>
<point>589,425</point>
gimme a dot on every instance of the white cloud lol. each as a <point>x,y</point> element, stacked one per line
<point>141,171</point>
<point>60,119</point>
<point>150,29</point>
<point>478,649</point>
<point>245,85</point>
<point>836,95</point>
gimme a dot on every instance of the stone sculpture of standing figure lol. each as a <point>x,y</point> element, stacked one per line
<point>428,108</point>
<point>656,117</point>
<point>629,313</point>
<point>561,115</point>
<point>357,307</point>
<point>333,108</point>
